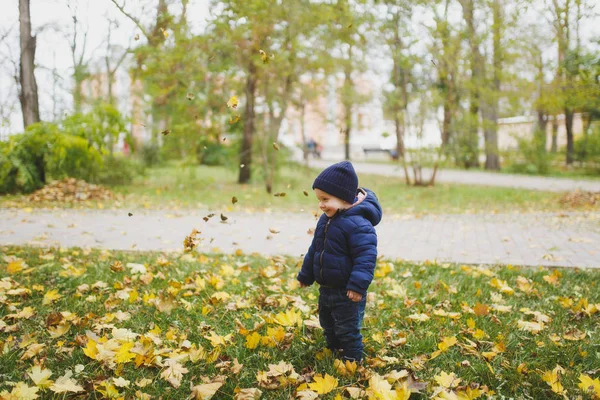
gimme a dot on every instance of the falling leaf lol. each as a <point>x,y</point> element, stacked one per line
<point>223,218</point>
<point>130,214</point>
<point>305,193</point>
<point>273,231</point>
<point>279,194</point>
<point>234,200</point>
<point>164,32</point>
<point>190,96</point>
<point>233,102</point>
<point>275,146</point>
<point>137,37</point>
<point>234,119</point>
<point>166,132</point>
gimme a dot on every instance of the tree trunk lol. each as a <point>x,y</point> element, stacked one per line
<point>246,149</point>
<point>569,129</point>
<point>347,114</point>
<point>554,145</point>
<point>540,129</point>
<point>28,94</point>
<point>492,157</point>
<point>472,159</point>
<point>303,132</point>
<point>399,124</point>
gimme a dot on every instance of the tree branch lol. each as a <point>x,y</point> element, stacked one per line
<point>132,18</point>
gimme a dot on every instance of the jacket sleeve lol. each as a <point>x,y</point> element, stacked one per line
<point>306,274</point>
<point>363,250</point>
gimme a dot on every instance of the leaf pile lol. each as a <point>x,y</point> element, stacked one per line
<point>71,190</point>
<point>580,198</point>
<point>188,325</point>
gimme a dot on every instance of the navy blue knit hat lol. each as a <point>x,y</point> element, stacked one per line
<point>338,180</point>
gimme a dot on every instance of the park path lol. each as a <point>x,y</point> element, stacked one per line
<point>476,177</point>
<point>551,239</point>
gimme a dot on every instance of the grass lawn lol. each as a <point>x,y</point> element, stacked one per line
<point>181,186</point>
<point>150,325</point>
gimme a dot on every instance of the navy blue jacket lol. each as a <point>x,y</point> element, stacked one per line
<point>343,252</point>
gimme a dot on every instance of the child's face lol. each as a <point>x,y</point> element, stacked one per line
<point>330,204</point>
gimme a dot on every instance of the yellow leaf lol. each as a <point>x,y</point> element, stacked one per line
<point>66,384</point>
<point>91,349</point>
<point>15,266</point>
<point>40,376</point>
<point>489,355</point>
<point>59,330</point>
<point>248,394</point>
<point>479,334</point>
<point>33,350</point>
<point>217,340</point>
<point>501,286</point>
<point>206,391</point>
<point>469,394</point>
<point>233,102</point>
<point>587,384</point>
<point>173,373</point>
<point>446,343</point>
<point>347,368</point>
<point>123,354</point>
<point>290,318</point>
<point>252,340</point>
<point>22,391</point>
<point>418,317</point>
<point>51,296</point>
<point>448,381</point>
<point>574,334</point>
<point>552,379</point>
<point>530,326</point>
<point>481,309</point>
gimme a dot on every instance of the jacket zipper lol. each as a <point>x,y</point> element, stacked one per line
<point>323,251</point>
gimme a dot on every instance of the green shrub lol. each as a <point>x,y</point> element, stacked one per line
<point>29,160</point>
<point>149,154</point>
<point>118,169</point>
<point>587,150</point>
<point>530,157</point>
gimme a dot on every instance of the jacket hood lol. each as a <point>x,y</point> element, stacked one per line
<point>367,206</point>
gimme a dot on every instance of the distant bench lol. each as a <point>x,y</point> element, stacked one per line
<point>391,153</point>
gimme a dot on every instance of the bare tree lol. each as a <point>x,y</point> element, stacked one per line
<point>28,91</point>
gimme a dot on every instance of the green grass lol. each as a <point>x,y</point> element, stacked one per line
<point>184,186</point>
<point>215,293</point>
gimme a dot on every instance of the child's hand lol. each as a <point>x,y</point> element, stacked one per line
<point>354,296</point>
<point>302,285</point>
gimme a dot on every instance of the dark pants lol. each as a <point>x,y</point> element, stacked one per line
<point>341,320</point>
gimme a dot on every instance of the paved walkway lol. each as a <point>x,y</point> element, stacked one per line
<point>570,239</point>
<point>477,177</point>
